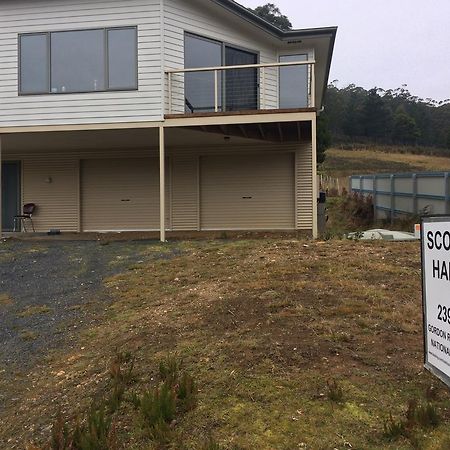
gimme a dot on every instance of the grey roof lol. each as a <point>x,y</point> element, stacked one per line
<point>250,16</point>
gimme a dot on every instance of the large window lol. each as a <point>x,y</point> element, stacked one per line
<point>237,88</point>
<point>78,61</point>
<point>293,83</point>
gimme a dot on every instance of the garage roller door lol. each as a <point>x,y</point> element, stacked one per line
<point>120,194</point>
<point>248,192</point>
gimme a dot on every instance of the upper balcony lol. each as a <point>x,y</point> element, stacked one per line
<point>287,86</point>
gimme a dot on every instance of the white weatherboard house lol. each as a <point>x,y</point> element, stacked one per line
<point>169,115</point>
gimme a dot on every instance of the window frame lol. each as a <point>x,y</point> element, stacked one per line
<point>48,35</point>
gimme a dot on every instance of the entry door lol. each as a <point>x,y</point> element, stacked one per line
<point>10,194</point>
<point>241,85</point>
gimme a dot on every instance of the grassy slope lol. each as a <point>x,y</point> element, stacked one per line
<point>342,163</point>
<point>263,325</point>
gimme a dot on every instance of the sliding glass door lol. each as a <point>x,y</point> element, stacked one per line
<point>237,88</point>
<point>199,87</point>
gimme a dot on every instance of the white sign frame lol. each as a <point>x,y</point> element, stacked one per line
<point>436,331</point>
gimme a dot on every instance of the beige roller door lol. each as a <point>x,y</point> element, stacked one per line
<point>248,192</point>
<point>120,194</point>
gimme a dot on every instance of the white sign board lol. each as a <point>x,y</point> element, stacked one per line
<point>436,295</point>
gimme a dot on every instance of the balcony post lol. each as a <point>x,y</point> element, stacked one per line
<point>313,85</point>
<point>170,92</point>
<point>263,85</point>
<point>162,189</point>
<point>216,91</point>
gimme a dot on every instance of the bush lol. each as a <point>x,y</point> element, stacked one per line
<point>358,209</point>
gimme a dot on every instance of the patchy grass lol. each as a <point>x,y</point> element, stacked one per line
<point>293,344</point>
<point>28,335</point>
<point>35,310</point>
<point>5,300</point>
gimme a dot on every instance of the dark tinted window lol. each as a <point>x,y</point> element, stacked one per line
<point>78,61</point>
<point>34,63</point>
<point>122,58</point>
<point>199,86</point>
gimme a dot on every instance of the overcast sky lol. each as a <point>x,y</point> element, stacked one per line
<point>383,43</point>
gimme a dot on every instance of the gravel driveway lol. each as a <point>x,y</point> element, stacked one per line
<point>49,290</point>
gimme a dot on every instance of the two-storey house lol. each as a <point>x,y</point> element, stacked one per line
<point>167,115</point>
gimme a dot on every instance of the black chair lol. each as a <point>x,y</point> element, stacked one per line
<point>20,219</point>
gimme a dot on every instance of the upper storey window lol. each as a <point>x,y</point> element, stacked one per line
<point>78,61</point>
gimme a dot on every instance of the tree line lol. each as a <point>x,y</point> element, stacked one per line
<point>394,116</point>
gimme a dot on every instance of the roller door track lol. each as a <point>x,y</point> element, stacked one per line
<point>248,192</point>
<point>120,194</point>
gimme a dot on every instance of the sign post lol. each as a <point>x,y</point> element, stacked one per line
<point>436,295</point>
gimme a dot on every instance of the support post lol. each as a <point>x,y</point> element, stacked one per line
<point>314,177</point>
<point>162,185</point>
<point>1,190</point>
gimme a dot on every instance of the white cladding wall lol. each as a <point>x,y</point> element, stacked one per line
<point>205,19</point>
<point>28,16</point>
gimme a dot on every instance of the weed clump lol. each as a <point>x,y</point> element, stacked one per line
<point>157,408</point>
<point>422,415</point>
<point>334,391</point>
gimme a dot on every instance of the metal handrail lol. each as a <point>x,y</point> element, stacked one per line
<point>245,66</point>
<point>262,67</point>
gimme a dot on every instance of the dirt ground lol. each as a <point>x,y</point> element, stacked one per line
<point>265,326</point>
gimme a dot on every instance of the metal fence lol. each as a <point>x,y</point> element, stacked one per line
<point>398,194</point>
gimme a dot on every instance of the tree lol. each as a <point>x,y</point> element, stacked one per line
<point>405,129</point>
<point>376,116</point>
<point>272,14</point>
<point>447,143</point>
<point>323,137</point>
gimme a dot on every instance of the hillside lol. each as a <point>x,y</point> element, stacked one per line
<point>341,163</point>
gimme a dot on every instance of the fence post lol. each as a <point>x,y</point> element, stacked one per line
<point>392,198</point>
<point>414,183</point>
<point>447,192</point>
<point>374,197</point>
<point>361,185</point>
